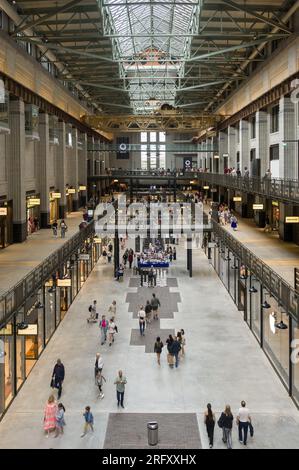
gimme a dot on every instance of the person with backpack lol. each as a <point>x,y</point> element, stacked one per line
<point>209,420</point>
<point>104,327</point>
<point>155,303</point>
<point>88,418</point>
<point>148,312</point>
<point>225,422</point>
<point>158,347</point>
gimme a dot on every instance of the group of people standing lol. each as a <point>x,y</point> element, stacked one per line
<point>175,348</point>
<point>62,227</point>
<point>226,217</point>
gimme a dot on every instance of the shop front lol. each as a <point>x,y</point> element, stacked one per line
<point>33,213</point>
<point>272,324</point>
<point>29,329</point>
<point>54,206</point>
<point>6,223</point>
<point>70,196</point>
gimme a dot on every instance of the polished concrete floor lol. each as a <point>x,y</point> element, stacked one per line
<point>223,364</point>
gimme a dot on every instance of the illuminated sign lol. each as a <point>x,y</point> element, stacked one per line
<point>33,202</point>
<point>64,282</point>
<point>206,187</point>
<point>7,331</point>
<point>258,207</point>
<point>71,191</point>
<point>84,257</point>
<point>56,195</point>
<point>97,240</point>
<point>30,330</point>
<point>237,199</point>
<point>82,188</point>
<point>292,220</point>
<point>275,203</point>
<point>3,210</point>
<point>216,156</point>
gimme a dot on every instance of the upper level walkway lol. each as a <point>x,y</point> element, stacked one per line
<point>18,259</point>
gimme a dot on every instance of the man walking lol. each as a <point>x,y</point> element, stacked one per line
<point>120,383</point>
<point>243,420</point>
<point>141,316</point>
<point>155,303</point>
<point>58,377</point>
<point>103,327</point>
<point>98,366</point>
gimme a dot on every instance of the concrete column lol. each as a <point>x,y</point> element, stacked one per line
<point>231,147</point>
<point>16,169</point>
<point>223,149</point>
<point>43,169</point>
<point>262,141</point>
<point>61,169</point>
<point>83,170</point>
<point>75,169</point>
<point>244,145</point>
<point>288,164</point>
<point>215,161</point>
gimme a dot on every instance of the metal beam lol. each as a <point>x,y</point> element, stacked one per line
<point>55,11</point>
<point>253,13</point>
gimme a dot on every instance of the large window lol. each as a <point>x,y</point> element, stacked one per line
<point>153,151</point>
<point>275,119</point>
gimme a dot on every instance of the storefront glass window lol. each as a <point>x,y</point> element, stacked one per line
<point>256,310</point>
<point>6,366</point>
<point>276,336</point>
<point>295,362</point>
<point>50,311</point>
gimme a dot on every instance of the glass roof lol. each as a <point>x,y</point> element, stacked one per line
<point>151,38</point>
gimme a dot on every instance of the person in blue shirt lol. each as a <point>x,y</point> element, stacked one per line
<point>88,416</point>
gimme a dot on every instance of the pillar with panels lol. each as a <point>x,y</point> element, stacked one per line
<point>74,174</point>
<point>16,169</point>
<point>231,146</point>
<point>61,166</point>
<point>288,152</point>
<point>244,145</point>
<point>262,143</point>
<point>82,170</point>
<point>223,150</point>
<point>43,169</point>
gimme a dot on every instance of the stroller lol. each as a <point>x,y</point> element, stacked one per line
<point>93,317</point>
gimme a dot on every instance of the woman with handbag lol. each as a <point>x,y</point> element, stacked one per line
<point>226,423</point>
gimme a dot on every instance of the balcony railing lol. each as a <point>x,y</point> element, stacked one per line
<point>14,298</point>
<point>283,292</point>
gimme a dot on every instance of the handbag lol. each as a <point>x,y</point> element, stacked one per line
<point>52,383</point>
<point>220,421</point>
<point>251,430</point>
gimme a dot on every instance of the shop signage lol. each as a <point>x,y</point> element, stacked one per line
<point>216,156</point>
<point>82,188</point>
<point>213,190</point>
<point>56,195</point>
<point>292,220</point>
<point>71,191</point>
<point>31,330</point>
<point>33,202</point>
<point>237,199</point>
<point>84,257</point>
<point>97,240</point>
<point>64,282</point>
<point>206,187</point>
<point>258,207</point>
<point>275,203</point>
<point>7,331</point>
<point>3,210</point>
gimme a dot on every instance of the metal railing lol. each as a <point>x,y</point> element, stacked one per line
<point>281,290</point>
<point>275,188</point>
<point>15,297</point>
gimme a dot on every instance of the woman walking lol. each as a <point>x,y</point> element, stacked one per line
<point>209,420</point>
<point>158,348</point>
<point>63,228</point>
<point>111,331</point>
<point>50,415</point>
<point>183,343</point>
<point>60,423</point>
<point>141,317</point>
<point>112,309</point>
<point>148,312</point>
<point>170,355</point>
<point>226,423</point>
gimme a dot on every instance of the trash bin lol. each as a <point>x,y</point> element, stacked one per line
<point>152,433</point>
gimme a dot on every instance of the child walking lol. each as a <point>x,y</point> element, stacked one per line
<point>88,416</point>
<point>99,380</point>
<point>60,423</point>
